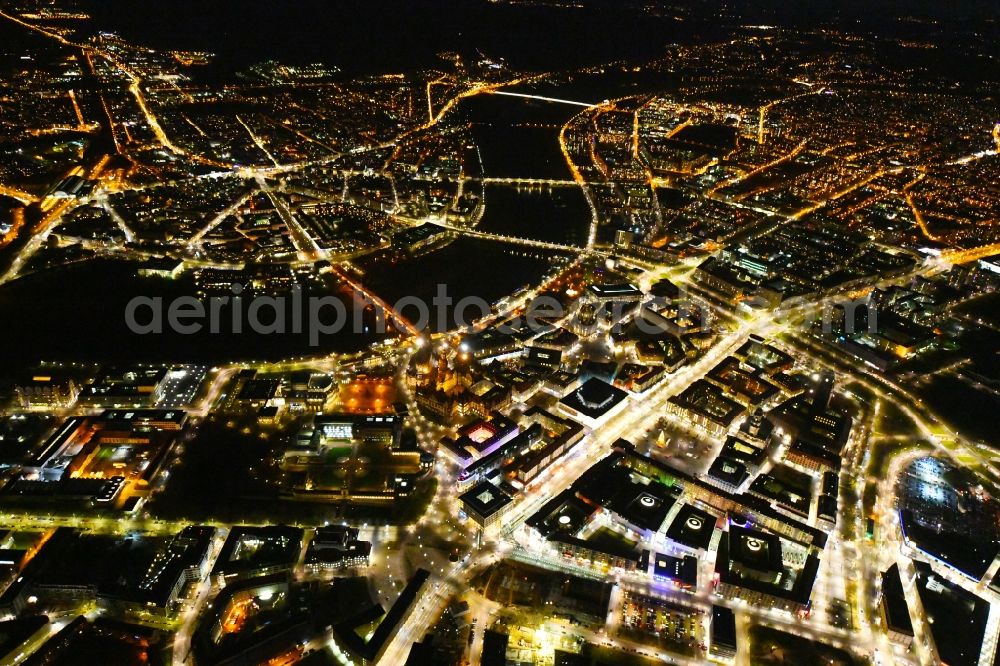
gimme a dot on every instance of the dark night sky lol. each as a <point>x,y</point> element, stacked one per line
<point>365,36</point>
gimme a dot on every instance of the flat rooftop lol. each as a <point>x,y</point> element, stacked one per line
<point>594,398</point>
<point>692,527</point>
<point>485,499</point>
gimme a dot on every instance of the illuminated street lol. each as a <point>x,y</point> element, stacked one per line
<point>499,332</point>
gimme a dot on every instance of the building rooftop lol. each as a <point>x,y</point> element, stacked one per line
<point>957,618</point>
<point>723,626</point>
<point>564,513</point>
<point>249,549</point>
<point>788,487</point>
<point>620,290</point>
<point>897,614</point>
<point>742,451</point>
<point>692,527</point>
<point>681,570</point>
<point>707,400</point>
<point>594,398</point>
<point>485,499</point>
<point>728,470</point>
<point>755,549</point>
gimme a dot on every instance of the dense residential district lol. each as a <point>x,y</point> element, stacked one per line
<point>755,424</point>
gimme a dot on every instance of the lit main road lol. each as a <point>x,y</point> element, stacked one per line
<point>306,246</point>
<point>195,604</point>
<point>646,409</point>
<point>930,425</point>
<point>219,219</point>
<point>52,214</point>
<point>258,141</point>
<point>20,195</point>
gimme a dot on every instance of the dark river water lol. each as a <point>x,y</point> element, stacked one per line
<point>558,215</point>
<point>78,313</point>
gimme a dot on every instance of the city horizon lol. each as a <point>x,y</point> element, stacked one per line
<point>460,332</point>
